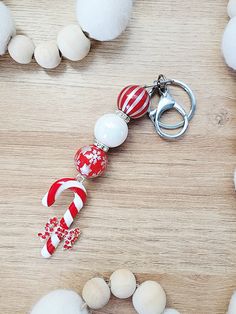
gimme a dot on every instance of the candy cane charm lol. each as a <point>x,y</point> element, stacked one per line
<point>66,221</point>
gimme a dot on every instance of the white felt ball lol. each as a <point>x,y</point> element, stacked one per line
<point>170,311</point>
<point>104,19</point>
<point>7,27</point>
<point>232,304</point>
<point>96,293</point>
<point>111,130</point>
<point>21,49</point>
<point>47,55</point>
<point>60,302</point>
<point>123,283</point>
<point>72,43</point>
<point>231,8</point>
<point>229,44</point>
<point>149,298</point>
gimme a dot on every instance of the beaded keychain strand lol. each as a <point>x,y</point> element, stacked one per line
<point>111,130</point>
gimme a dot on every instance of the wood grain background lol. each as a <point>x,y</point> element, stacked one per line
<point>166,210</point>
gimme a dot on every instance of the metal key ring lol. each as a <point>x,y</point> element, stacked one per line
<point>161,111</point>
<point>192,109</point>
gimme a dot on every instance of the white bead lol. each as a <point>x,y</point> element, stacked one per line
<point>21,49</point>
<point>229,44</point>
<point>96,293</point>
<point>72,43</point>
<point>232,304</point>
<point>47,55</point>
<point>149,298</point>
<point>170,311</point>
<point>60,302</point>
<point>104,19</point>
<point>123,283</point>
<point>231,8</point>
<point>7,27</point>
<point>111,130</point>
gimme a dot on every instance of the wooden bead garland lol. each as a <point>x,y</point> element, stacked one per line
<point>149,297</point>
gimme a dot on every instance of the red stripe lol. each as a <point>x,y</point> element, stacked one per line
<point>142,101</point>
<point>139,115</point>
<point>128,92</point>
<point>50,247</point>
<point>118,99</point>
<point>63,224</point>
<point>80,192</point>
<point>53,190</point>
<point>73,210</point>
<point>134,98</point>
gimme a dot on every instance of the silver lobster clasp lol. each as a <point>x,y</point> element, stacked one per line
<point>166,103</point>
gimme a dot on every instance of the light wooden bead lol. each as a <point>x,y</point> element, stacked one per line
<point>149,298</point>
<point>96,293</point>
<point>21,49</point>
<point>72,43</point>
<point>47,55</point>
<point>123,283</point>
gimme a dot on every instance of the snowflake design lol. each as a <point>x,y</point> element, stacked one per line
<point>94,156</point>
<point>53,226</point>
<point>85,169</point>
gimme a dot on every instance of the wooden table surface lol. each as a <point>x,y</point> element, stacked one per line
<point>165,210</point>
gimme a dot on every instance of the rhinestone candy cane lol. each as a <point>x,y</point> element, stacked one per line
<point>110,131</point>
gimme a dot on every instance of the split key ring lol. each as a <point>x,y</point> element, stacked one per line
<point>166,103</point>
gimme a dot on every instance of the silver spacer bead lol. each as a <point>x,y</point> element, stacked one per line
<point>123,116</point>
<point>102,146</point>
<point>80,178</point>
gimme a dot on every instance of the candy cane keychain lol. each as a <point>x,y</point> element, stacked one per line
<point>111,130</point>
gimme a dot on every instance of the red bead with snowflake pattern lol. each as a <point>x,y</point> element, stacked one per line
<point>91,161</point>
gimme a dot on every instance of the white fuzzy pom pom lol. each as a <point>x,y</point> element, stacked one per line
<point>7,27</point>
<point>60,302</point>
<point>170,311</point>
<point>229,44</point>
<point>104,19</point>
<point>232,304</point>
<point>231,8</point>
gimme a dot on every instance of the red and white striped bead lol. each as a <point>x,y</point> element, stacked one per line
<point>66,221</point>
<point>134,101</point>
